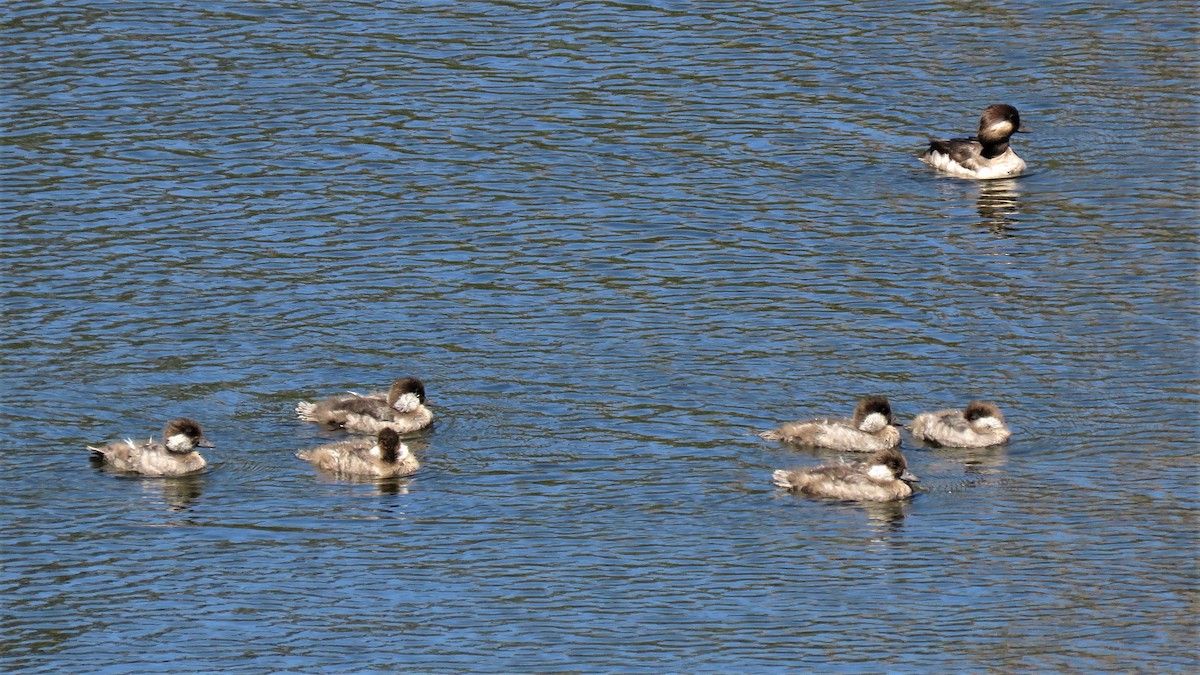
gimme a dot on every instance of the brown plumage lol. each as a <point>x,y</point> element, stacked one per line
<point>870,430</point>
<point>978,425</point>
<point>175,456</point>
<point>383,456</point>
<point>401,408</point>
<point>881,478</point>
<point>984,156</point>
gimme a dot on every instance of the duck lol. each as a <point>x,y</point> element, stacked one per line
<point>175,456</point>
<point>883,477</point>
<point>870,430</point>
<point>401,408</point>
<point>383,456</point>
<point>984,156</point>
<point>978,425</point>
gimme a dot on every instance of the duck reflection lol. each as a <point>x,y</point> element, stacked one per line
<point>888,516</point>
<point>975,461</point>
<point>395,485</point>
<point>998,202</point>
<point>177,493</point>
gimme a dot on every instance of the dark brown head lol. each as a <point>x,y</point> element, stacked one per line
<point>406,394</point>
<point>183,435</point>
<point>979,409</point>
<point>889,464</point>
<point>389,445</point>
<point>869,405</point>
<point>998,123</point>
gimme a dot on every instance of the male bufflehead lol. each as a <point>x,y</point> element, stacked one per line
<point>401,408</point>
<point>870,430</point>
<point>985,156</point>
<point>883,477</point>
<point>384,456</point>
<point>175,456</point>
<point>978,425</point>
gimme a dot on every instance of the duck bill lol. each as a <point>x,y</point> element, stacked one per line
<point>1024,130</point>
<point>204,443</point>
<point>908,477</point>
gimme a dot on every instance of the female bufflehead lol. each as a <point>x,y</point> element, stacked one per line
<point>401,408</point>
<point>385,456</point>
<point>984,156</point>
<point>978,425</point>
<point>870,430</point>
<point>884,477</point>
<point>175,456</point>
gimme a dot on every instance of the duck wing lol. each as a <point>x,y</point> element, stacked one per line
<point>964,151</point>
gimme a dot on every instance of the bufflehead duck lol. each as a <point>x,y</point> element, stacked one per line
<point>984,156</point>
<point>884,477</point>
<point>401,408</point>
<point>870,430</point>
<point>384,456</point>
<point>978,425</point>
<point>175,456</point>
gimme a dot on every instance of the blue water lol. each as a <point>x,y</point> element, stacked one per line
<point>615,240</point>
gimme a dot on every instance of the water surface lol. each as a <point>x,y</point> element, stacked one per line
<point>615,240</point>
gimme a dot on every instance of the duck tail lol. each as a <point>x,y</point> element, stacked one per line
<point>306,411</point>
<point>782,479</point>
<point>770,435</point>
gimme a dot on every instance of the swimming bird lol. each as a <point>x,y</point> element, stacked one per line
<point>978,425</point>
<point>883,477</point>
<point>384,456</point>
<point>175,456</point>
<point>984,156</point>
<point>401,408</point>
<point>870,430</point>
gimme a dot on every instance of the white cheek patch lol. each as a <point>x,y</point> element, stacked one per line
<point>407,402</point>
<point>880,472</point>
<point>990,422</point>
<point>375,451</point>
<point>402,452</point>
<point>872,423</point>
<point>1001,128</point>
<point>180,443</point>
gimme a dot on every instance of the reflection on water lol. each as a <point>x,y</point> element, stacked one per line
<point>998,203</point>
<point>885,515</point>
<point>178,493</point>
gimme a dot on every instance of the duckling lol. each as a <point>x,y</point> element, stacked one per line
<point>174,457</point>
<point>978,425</point>
<point>401,408</point>
<point>870,430</point>
<point>985,156</point>
<point>884,477</point>
<point>385,456</point>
